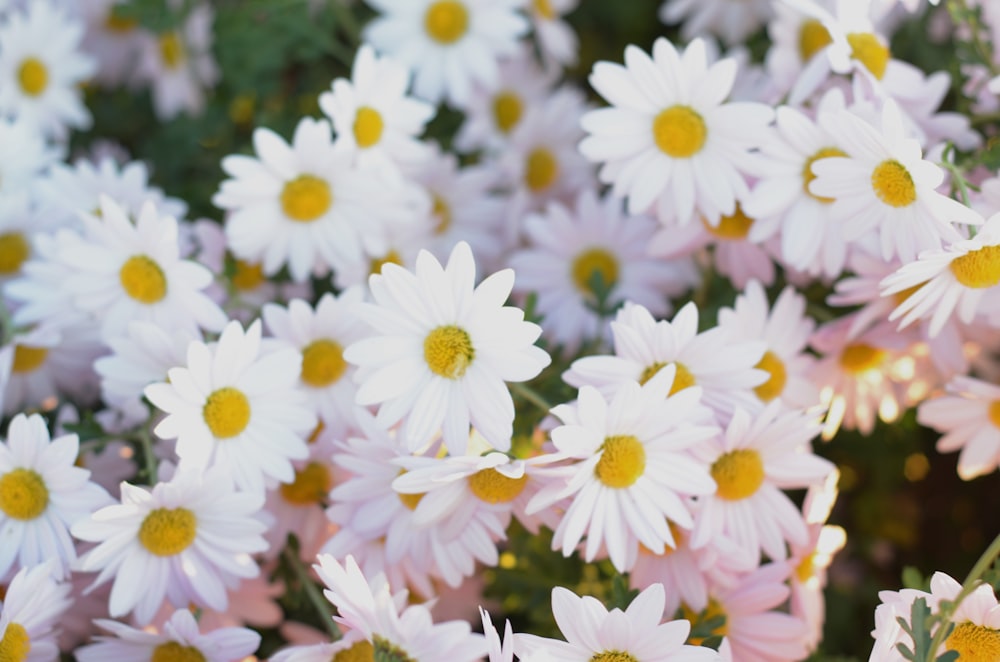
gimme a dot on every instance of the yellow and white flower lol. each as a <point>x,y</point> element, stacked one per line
<point>30,614</point>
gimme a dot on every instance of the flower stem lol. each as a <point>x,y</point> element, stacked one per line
<point>319,603</point>
<point>530,395</point>
<point>148,456</point>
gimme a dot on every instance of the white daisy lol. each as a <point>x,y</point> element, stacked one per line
<point>113,39</point>
<point>232,406</point>
<point>669,139</point>
<point>20,221</point>
<point>969,417</point>
<point>570,251</point>
<point>557,41</point>
<point>24,155</point>
<point>30,614</point>
<point>885,185</point>
<point>401,242</point>
<point>631,472</point>
<point>42,494</point>
<point>375,120</point>
<point>184,540</point>
<point>448,44</point>
<point>179,639</point>
<point>498,652</point>
<point>732,20</point>
<point>442,351</point>
<point>41,69</point>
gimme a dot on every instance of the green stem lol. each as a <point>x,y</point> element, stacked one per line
<point>960,8</point>
<point>146,440</point>
<point>971,582</point>
<point>986,118</point>
<point>319,603</point>
<point>530,395</point>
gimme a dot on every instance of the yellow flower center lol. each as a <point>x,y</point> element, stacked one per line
<point>682,379</point>
<point>734,227</point>
<point>306,198</point>
<point>544,9</point>
<point>441,211</point>
<point>893,184</point>
<point>623,460</point>
<point>143,279</point>
<point>613,656</point>
<point>15,645</point>
<point>507,110</point>
<point>777,376</point>
<point>541,169</point>
<point>226,412</point>
<point>172,651</point>
<point>813,37</point>
<point>168,531</point>
<point>869,51</point>
<point>712,611</point>
<point>28,359</point>
<point>322,363</point>
<point>23,494</point>
<point>808,175</point>
<point>384,650</point>
<point>248,276</point>
<point>14,250</point>
<point>594,261</point>
<point>33,76</point>
<point>171,50</point>
<point>979,268</point>
<point>362,651</point>
<point>739,474</point>
<point>974,643</point>
<point>861,357</point>
<point>448,351</point>
<point>311,485</point>
<point>116,23</point>
<point>994,413</point>
<point>368,127</point>
<point>650,372</point>
<point>806,568</point>
<point>679,131</point>
<point>446,21</point>
<point>491,486</point>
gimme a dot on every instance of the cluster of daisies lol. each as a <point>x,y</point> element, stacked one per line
<point>333,373</point>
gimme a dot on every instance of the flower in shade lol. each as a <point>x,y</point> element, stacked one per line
<point>968,415</point>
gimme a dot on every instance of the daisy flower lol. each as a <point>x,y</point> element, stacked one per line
<point>352,646</point>
<point>571,250</point>
<point>593,634</point>
<point>557,41</point>
<point>885,185</point>
<point>299,506</point>
<point>20,221</point>
<point>180,638</point>
<point>631,472</point>
<point>751,463</point>
<point>669,139</point>
<point>498,652</point>
<point>969,417</point>
<point>941,281</point>
<point>113,40</point>
<point>448,44</point>
<point>977,619</point>
<point>442,351</point>
<point>721,366</point>
<point>30,613</point>
<point>185,540</point>
<point>407,633</point>
<point>41,69</point>
<point>732,20</point>
<point>236,408</point>
<point>42,494</point>
<point>24,155</point>
<point>373,117</point>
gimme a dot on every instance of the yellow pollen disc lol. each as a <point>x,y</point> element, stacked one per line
<point>28,359</point>
<point>172,651</point>
<point>860,358</point>
<point>544,9</point>
<point>368,127</point>
<point>650,372</point>
<point>713,610</point>
<point>682,379</point>
<point>448,351</point>
<point>679,131</point>
<point>613,656</point>
<point>15,645</point>
<point>311,485</point>
<point>994,413</point>
<point>739,474</point>
<point>23,494</point>
<point>362,651</point>
<point>143,279</point>
<point>33,76</point>
<point>869,51</point>
<point>806,568</point>
<point>507,110</point>
<point>306,198</point>
<point>392,257</point>
<point>979,268</point>
<point>893,184</point>
<point>808,175</point>
<point>171,50</point>
<point>775,384</point>
<point>119,24</point>
<point>901,296</point>
<point>813,37</point>
<point>446,21</point>
<point>541,169</point>
<point>168,531</point>
<point>442,211</point>
<point>591,261</point>
<point>248,276</point>
<point>384,650</point>
<point>491,486</point>
<point>409,500</point>
<point>734,227</point>
<point>974,643</point>
<point>14,250</point>
<point>623,460</point>
<point>322,363</point>
<point>226,412</point>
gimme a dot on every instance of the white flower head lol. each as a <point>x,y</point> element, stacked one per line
<point>30,614</point>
